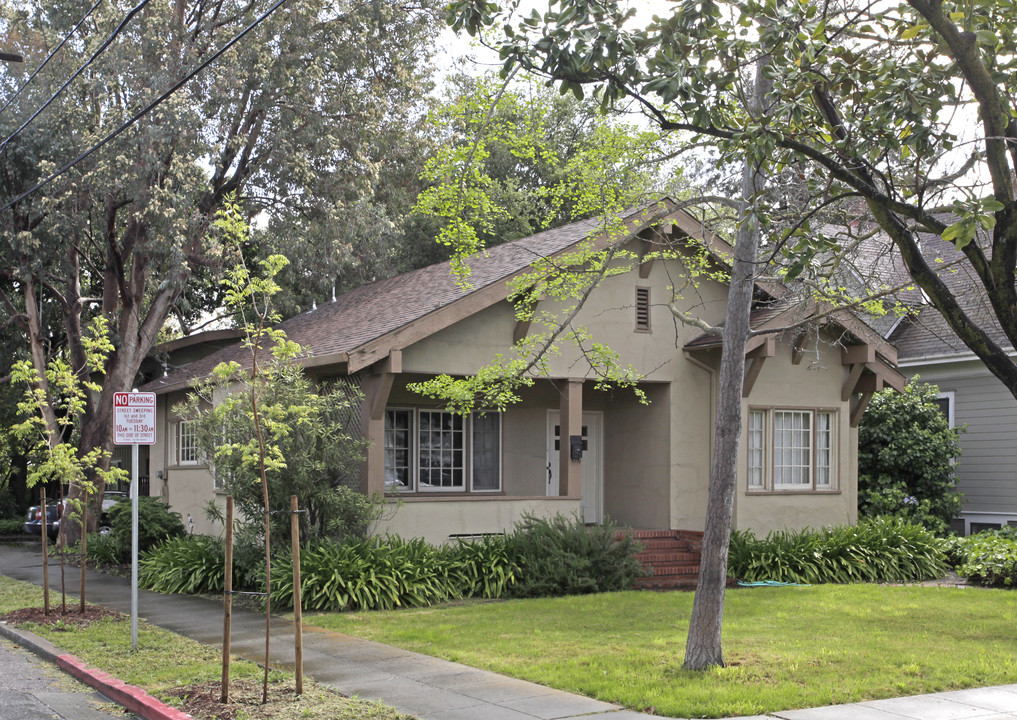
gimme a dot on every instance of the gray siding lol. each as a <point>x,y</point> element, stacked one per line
<point>987,470</point>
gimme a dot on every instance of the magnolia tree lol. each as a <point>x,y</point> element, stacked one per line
<point>297,118</point>
<point>869,103</point>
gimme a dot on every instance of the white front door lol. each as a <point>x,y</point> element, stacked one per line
<point>593,479</point>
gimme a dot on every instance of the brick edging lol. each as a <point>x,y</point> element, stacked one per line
<point>131,697</point>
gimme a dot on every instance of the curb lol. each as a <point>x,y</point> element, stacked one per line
<point>131,697</point>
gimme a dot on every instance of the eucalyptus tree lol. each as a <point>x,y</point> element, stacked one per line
<point>293,119</point>
<point>909,108</point>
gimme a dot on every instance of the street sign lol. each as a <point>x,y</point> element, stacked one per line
<point>133,418</point>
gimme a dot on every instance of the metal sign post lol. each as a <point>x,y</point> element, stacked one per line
<point>134,424</point>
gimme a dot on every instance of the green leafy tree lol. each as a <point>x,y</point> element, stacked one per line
<point>872,99</point>
<point>906,452</point>
<point>297,119</point>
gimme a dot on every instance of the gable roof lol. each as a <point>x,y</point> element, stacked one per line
<point>360,327</point>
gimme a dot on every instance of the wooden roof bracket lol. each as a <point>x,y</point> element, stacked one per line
<point>757,356</point>
<point>798,348</point>
<point>645,266</point>
<point>377,384</point>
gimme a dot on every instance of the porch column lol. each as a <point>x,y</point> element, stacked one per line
<point>570,472</point>
<point>376,385</point>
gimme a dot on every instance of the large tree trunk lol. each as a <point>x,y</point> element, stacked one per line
<point>703,648</point>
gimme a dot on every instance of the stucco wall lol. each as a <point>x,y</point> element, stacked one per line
<point>436,520</point>
<point>815,383</point>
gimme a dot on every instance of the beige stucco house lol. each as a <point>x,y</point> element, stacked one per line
<point>567,446</point>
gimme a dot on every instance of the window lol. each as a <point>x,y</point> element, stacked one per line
<point>183,443</point>
<point>438,451</point>
<point>945,402</point>
<point>642,309</point>
<point>790,450</point>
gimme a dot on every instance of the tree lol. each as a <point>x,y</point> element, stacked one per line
<point>906,453</point>
<point>528,144</point>
<point>867,99</point>
<point>294,119</point>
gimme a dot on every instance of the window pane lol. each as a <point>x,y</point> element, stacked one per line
<point>792,445</point>
<point>755,448</point>
<point>442,461</point>
<point>824,449</point>
<point>397,450</point>
<point>188,443</point>
<point>487,451</point>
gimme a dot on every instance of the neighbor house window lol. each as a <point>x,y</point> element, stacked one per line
<point>183,443</point>
<point>790,450</point>
<point>438,451</point>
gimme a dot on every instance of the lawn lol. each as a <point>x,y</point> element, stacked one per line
<point>166,661</point>
<point>785,648</point>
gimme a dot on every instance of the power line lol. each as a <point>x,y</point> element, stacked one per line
<point>148,108</point>
<point>123,23</point>
<point>49,57</point>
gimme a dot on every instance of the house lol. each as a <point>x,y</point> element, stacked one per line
<point>569,446</point>
<point>970,395</point>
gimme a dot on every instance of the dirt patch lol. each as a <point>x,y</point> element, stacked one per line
<point>201,702</point>
<point>56,620</point>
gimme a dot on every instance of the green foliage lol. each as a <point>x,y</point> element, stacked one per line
<point>987,558</point>
<point>882,549</point>
<point>905,458</point>
<point>106,550</point>
<point>156,523</point>
<point>385,573</point>
<point>562,556</point>
<point>184,565</point>
<point>12,526</point>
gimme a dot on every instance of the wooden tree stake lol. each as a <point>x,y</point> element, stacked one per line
<point>227,603</point>
<point>45,555</point>
<point>298,638</point>
<point>84,554</point>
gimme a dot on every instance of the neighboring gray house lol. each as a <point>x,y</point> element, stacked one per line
<point>970,395</point>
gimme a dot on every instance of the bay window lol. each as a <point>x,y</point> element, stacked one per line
<point>790,450</point>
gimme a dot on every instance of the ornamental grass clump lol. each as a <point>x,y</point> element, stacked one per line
<point>988,558</point>
<point>882,549</point>
<point>383,573</point>
<point>184,565</point>
<point>562,556</point>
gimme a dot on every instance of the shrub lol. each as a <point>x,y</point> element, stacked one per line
<point>12,526</point>
<point>184,565</point>
<point>104,549</point>
<point>878,550</point>
<point>372,574</point>
<point>988,558</point>
<point>905,453</point>
<point>562,556</point>
<point>156,523</point>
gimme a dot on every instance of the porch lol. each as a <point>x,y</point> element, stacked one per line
<point>565,448</point>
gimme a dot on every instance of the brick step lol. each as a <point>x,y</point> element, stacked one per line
<point>682,569</point>
<point>667,544</point>
<point>678,582</point>
<point>644,534</point>
<point>667,557</point>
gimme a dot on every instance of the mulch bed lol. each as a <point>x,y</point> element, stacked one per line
<point>61,621</point>
<point>201,701</point>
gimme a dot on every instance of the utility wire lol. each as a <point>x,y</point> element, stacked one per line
<point>142,113</point>
<point>123,23</point>
<point>49,57</point>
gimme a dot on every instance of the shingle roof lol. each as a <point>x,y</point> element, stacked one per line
<point>927,334</point>
<point>373,310</point>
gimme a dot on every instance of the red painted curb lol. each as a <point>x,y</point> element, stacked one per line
<point>131,697</point>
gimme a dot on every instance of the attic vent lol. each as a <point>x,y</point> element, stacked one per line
<point>642,309</point>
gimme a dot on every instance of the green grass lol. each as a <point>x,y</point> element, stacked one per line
<point>785,647</point>
<point>166,660</point>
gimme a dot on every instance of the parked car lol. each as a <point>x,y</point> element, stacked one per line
<point>109,499</point>
<point>33,521</point>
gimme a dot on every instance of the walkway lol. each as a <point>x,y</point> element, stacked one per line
<point>433,689</point>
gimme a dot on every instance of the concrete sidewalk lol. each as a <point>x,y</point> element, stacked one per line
<point>433,689</point>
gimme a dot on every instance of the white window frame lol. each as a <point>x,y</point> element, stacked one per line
<point>415,452</point>
<point>176,434</point>
<point>950,397</point>
<point>762,454</point>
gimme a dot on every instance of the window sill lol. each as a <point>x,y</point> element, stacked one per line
<point>469,497</point>
<point>196,466</point>
<point>793,492</point>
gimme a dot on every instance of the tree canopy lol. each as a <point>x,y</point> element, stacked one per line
<point>294,119</point>
<point>908,108</point>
